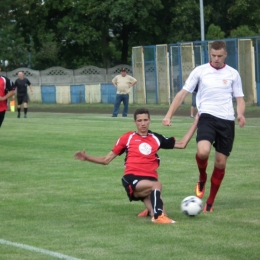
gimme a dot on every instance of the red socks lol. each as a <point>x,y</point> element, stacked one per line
<point>216,179</point>
<point>202,166</point>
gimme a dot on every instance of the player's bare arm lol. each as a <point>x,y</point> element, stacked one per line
<point>9,94</point>
<point>177,101</point>
<point>240,111</point>
<point>31,89</point>
<point>82,156</point>
<point>187,137</point>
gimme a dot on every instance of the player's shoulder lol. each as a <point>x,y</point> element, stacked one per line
<point>150,132</point>
<point>6,79</point>
<point>200,68</point>
<point>231,69</point>
<point>128,133</point>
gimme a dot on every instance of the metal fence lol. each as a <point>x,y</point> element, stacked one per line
<point>166,67</point>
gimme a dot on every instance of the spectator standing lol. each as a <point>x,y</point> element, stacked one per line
<point>123,84</point>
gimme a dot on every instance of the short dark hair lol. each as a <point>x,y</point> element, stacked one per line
<point>123,69</point>
<point>218,45</point>
<point>140,111</point>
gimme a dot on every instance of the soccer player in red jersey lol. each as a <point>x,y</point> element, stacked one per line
<point>7,89</point>
<point>218,85</point>
<point>140,178</point>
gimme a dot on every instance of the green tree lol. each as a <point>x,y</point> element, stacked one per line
<point>81,28</point>
<point>185,23</point>
<point>12,48</point>
<point>214,33</point>
<point>245,12</point>
<point>242,31</point>
<point>73,34</point>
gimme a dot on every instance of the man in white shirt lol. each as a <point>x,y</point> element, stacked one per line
<point>122,83</point>
<point>218,84</point>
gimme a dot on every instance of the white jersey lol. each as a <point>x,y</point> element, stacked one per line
<point>217,87</point>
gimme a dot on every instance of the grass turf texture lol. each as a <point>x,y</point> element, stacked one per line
<point>50,201</point>
<point>155,109</point>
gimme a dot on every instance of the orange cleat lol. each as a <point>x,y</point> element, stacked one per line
<point>200,189</point>
<point>162,219</point>
<point>144,213</point>
<point>208,208</point>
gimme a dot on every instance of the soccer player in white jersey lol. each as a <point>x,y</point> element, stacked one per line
<point>218,85</point>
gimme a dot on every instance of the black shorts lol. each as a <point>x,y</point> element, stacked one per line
<point>22,99</point>
<point>130,181</point>
<point>219,132</point>
<point>2,117</point>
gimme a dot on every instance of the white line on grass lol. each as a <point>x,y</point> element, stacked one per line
<point>38,250</point>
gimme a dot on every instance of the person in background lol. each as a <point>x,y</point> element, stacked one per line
<point>140,178</point>
<point>123,84</point>
<point>193,102</point>
<point>218,84</point>
<point>21,85</point>
<point>7,89</point>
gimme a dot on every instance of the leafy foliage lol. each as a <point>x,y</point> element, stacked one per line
<point>73,34</point>
<point>242,31</point>
<point>214,33</point>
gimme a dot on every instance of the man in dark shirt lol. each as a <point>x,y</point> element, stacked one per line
<point>22,97</point>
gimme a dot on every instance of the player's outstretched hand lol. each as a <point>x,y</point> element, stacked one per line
<point>166,121</point>
<point>80,155</point>
<point>241,120</point>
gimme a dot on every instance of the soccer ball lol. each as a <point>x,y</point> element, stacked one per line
<point>191,206</point>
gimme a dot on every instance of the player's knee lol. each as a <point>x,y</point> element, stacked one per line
<point>203,153</point>
<point>157,186</point>
<point>220,164</point>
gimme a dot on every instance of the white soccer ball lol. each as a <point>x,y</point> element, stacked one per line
<point>191,206</point>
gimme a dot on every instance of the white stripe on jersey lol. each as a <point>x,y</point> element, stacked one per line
<point>217,87</point>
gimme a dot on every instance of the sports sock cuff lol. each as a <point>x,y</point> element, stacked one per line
<point>217,175</point>
<point>202,163</point>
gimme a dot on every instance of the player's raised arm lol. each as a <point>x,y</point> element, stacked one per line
<point>82,156</point>
<point>177,101</point>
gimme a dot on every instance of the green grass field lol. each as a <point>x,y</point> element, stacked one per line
<point>54,207</point>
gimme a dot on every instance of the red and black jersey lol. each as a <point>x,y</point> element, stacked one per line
<point>141,152</point>
<point>6,85</point>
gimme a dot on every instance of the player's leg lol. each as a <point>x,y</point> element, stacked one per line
<point>223,145</point>
<point>116,105</point>
<point>205,136</point>
<point>2,116</point>
<point>25,105</point>
<point>145,188</point>
<point>216,179</point>
<point>148,208</point>
<point>125,103</point>
<point>203,151</point>
<point>19,103</point>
